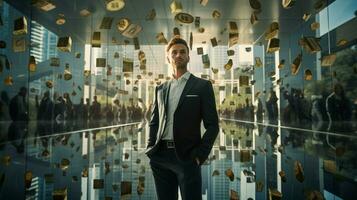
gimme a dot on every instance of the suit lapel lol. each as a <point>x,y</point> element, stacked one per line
<point>190,83</point>
<point>165,95</point>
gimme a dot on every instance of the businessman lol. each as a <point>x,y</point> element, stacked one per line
<point>175,147</point>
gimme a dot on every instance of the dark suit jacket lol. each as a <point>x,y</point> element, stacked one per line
<point>196,104</point>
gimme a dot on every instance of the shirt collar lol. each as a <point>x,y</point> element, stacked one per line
<point>184,76</point>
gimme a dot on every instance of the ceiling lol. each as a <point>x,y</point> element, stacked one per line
<point>81,28</point>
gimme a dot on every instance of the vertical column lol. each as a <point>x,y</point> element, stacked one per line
<point>232,80</point>
<point>278,143</point>
<point>222,142</point>
<point>139,89</point>
<point>253,97</point>
<point>87,61</point>
<point>278,158</point>
<point>222,94</point>
<point>85,150</point>
<point>318,54</point>
<point>147,96</point>
<point>238,86</point>
<point>277,76</point>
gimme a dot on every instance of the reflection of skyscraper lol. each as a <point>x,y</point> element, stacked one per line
<point>43,46</point>
<point>219,186</point>
<point>43,42</point>
<point>96,172</point>
<point>51,45</point>
<point>247,186</point>
<point>138,169</point>
<point>37,41</point>
<point>33,192</point>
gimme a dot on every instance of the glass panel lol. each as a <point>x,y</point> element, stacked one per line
<point>71,87</point>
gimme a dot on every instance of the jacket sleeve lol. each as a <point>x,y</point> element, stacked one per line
<point>210,122</point>
<point>154,122</point>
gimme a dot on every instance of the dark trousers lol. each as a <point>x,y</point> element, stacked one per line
<point>171,173</point>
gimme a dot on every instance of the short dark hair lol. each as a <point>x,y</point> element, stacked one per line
<point>176,40</point>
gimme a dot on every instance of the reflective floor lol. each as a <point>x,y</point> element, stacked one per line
<point>249,161</point>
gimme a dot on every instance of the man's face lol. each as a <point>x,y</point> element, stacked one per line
<point>178,56</point>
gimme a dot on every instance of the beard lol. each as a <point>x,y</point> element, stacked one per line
<point>180,64</point>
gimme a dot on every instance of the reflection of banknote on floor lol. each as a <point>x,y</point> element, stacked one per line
<point>101,62</point>
<point>18,44</point>
<point>54,62</point>
<point>60,193</point>
<point>128,65</point>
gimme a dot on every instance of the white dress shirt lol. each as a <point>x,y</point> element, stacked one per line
<point>176,88</point>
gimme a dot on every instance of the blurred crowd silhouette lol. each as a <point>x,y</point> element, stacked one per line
<point>334,110</point>
<point>58,114</point>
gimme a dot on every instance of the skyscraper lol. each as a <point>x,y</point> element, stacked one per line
<point>43,42</point>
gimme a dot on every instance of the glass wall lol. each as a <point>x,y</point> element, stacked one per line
<point>287,99</point>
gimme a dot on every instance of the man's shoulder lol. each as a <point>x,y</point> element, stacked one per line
<point>162,85</point>
<point>199,81</point>
<point>191,78</point>
<point>202,80</point>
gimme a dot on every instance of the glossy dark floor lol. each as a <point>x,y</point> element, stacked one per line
<point>251,160</point>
